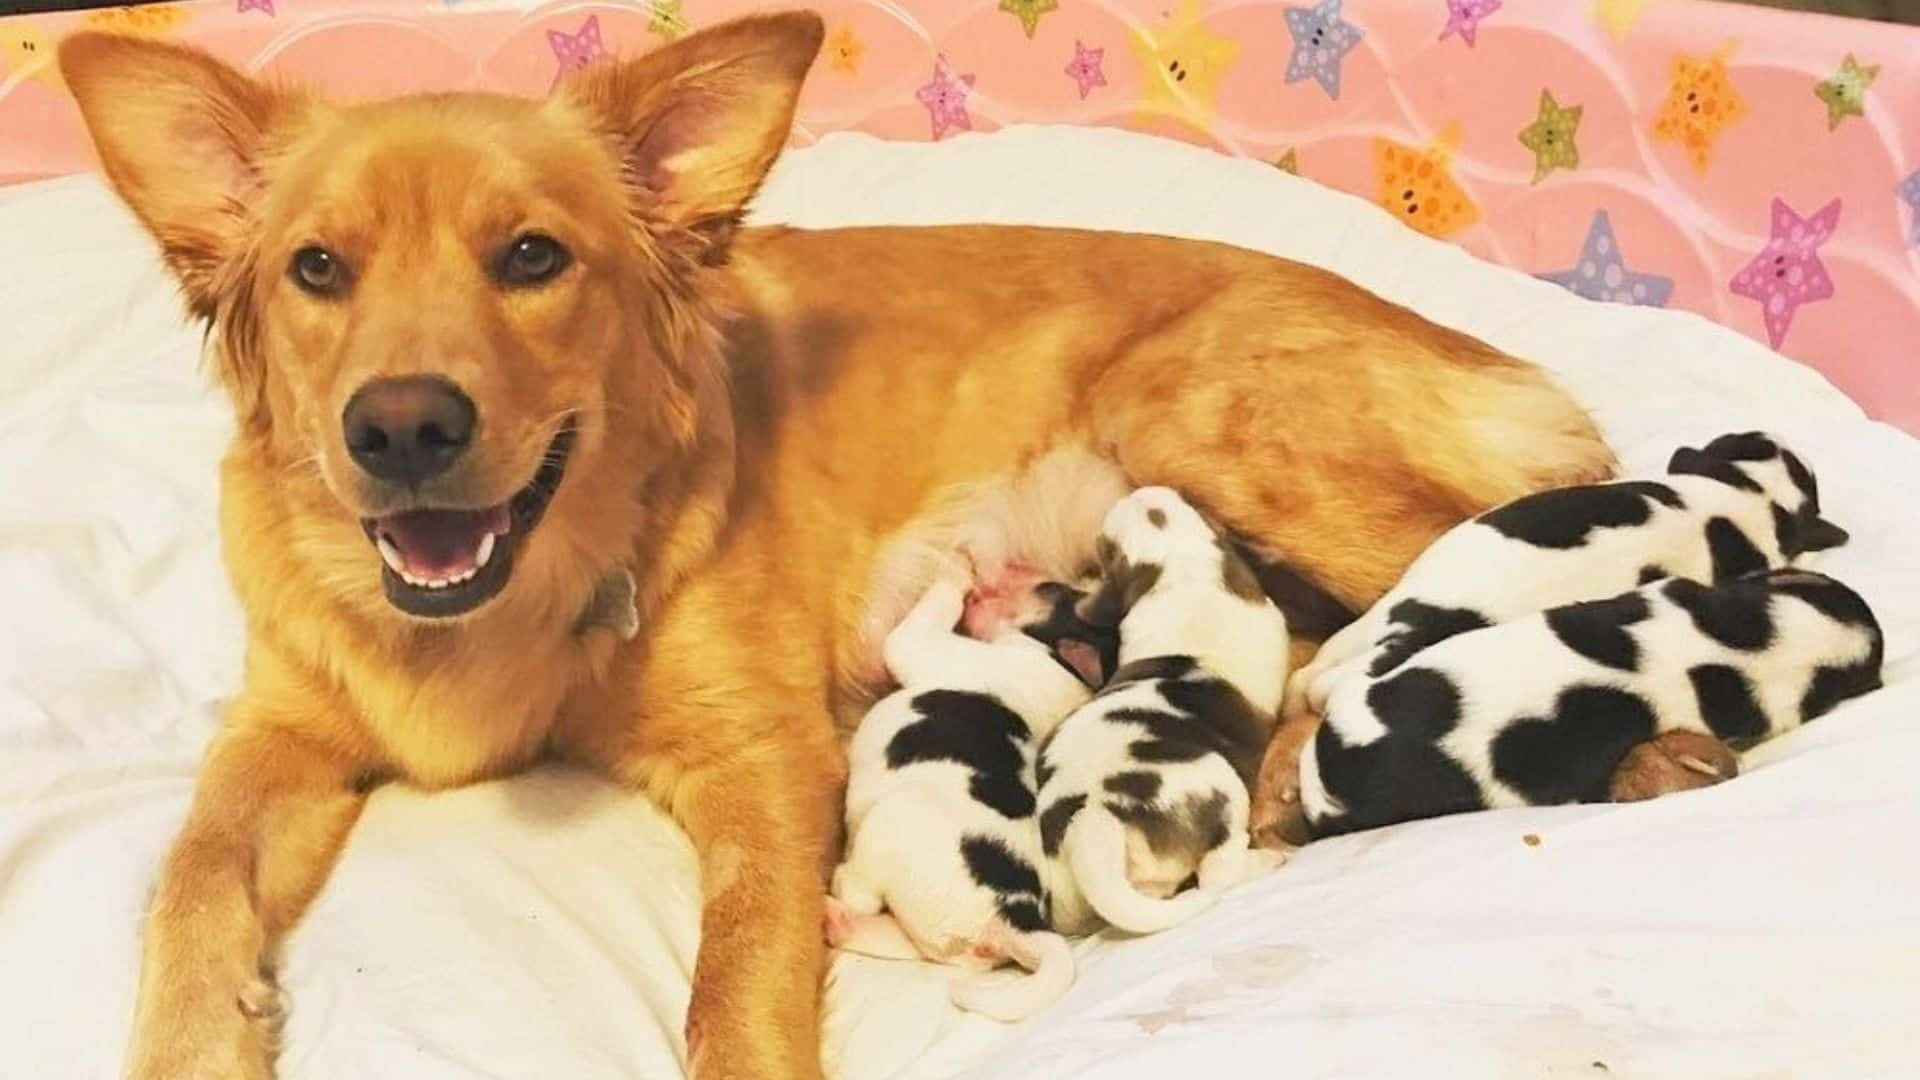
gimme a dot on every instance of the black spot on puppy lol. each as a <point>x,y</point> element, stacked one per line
<point>1416,626</point>
<point>1571,756</point>
<point>1055,819</point>
<point>1833,684</point>
<point>1235,729</point>
<point>1194,826</point>
<point>1137,785</point>
<point>1171,666</point>
<point>1733,613</point>
<point>1733,554</point>
<point>1062,625</point>
<point>993,866</point>
<point>976,731</point>
<point>1825,595</point>
<point>1156,517</point>
<point>1023,914</point>
<point>1404,774</point>
<point>1563,518</point>
<point>1802,478</point>
<point>1236,574</point>
<point>1728,705</point>
<point>1687,461</point>
<point>1597,629</point>
<point>1652,572</point>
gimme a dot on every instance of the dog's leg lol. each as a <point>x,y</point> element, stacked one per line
<point>270,812</point>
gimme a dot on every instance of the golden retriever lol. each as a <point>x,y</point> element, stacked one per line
<point>493,358</point>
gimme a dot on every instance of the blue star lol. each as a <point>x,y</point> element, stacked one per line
<point>1321,40</point>
<point>1910,191</point>
<point>1602,274</point>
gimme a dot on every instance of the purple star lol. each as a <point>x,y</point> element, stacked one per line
<point>1788,271</point>
<point>1321,40</point>
<point>244,6</point>
<point>1085,69</point>
<point>1601,272</point>
<point>576,50</point>
<point>1910,191</point>
<point>1463,17</point>
<point>946,99</point>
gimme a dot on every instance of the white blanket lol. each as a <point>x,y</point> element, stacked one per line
<point>545,926</point>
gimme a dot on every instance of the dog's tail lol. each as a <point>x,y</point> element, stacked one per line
<point>1007,996</point>
<point>1095,850</point>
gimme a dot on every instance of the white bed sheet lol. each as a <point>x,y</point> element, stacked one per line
<point>545,926</point>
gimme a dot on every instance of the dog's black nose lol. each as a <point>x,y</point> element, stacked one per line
<point>408,430</point>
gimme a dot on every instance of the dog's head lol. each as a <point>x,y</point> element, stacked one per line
<point>1757,462</point>
<point>1154,537</point>
<point>444,318</point>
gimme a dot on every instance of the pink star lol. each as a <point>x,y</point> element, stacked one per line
<point>946,99</point>
<point>1463,17</point>
<point>1085,69</point>
<point>576,50</point>
<point>244,6</point>
<point>1788,272</point>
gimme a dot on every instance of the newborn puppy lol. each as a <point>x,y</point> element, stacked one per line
<point>943,848</point>
<point>1544,709</point>
<point>1146,786</point>
<point>1742,504</point>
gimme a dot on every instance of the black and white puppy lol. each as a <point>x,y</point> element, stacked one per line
<point>1542,709</point>
<point>1742,504</point>
<point>943,846</point>
<point>1146,786</point>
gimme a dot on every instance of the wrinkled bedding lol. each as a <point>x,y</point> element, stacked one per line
<point>545,926</point>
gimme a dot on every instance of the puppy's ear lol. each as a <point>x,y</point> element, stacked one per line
<point>1122,587</point>
<point>1083,659</point>
<point>698,122</point>
<point>1687,461</point>
<point>183,139</point>
<point>1818,534</point>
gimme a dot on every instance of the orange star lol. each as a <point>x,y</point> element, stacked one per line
<point>1418,187</point>
<point>844,50</point>
<point>1701,103</point>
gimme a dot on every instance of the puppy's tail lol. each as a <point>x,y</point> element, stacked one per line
<point>1095,847</point>
<point>1008,997</point>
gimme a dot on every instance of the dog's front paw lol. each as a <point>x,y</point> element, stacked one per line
<point>1674,761</point>
<point>218,1037</point>
<point>1275,816</point>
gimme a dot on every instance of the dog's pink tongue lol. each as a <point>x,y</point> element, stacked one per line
<point>438,544</point>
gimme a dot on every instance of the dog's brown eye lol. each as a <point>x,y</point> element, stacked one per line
<point>531,260</point>
<point>318,271</point>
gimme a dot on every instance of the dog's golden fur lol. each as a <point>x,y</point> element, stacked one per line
<point>758,411</point>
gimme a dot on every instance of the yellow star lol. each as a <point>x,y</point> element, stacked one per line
<point>844,50</point>
<point>1701,103</point>
<point>26,53</point>
<point>156,20</point>
<point>1618,16</point>
<point>1181,63</point>
<point>1288,162</point>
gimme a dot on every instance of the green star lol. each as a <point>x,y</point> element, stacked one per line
<point>669,18</point>
<point>1551,137</point>
<point>1029,12</point>
<point>1846,91</point>
<point>1288,162</point>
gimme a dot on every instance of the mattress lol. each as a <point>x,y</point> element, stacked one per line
<point>1660,152</point>
<point>546,925</point>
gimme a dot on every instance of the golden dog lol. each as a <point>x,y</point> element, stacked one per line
<point>494,360</point>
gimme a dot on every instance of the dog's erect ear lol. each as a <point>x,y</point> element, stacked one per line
<point>698,122</point>
<point>181,137</point>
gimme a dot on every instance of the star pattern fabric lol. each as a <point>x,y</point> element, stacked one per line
<point>1601,272</point>
<point>573,52</point>
<point>1029,12</point>
<point>1417,185</point>
<point>1845,91</point>
<point>845,51</point>
<point>1788,272</point>
<point>1909,191</point>
<point>1181,63</point>
<point>1618,16</point>
<point>1085,68</point>
<point>1321,42</point>
<point>668,18</point>
<point>1463,18</point>
<point>1701,104</point>
<point>241,7</point>
<point>1288,162</point>
<point>1551,137</point>
<point>945,97</point>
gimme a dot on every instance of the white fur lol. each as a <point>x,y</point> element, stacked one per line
<point>905,825</point>
<point>1104,869</point>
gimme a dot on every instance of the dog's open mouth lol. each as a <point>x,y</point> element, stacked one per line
<point>446,562</point>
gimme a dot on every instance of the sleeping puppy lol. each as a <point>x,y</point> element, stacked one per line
<point>1146,786</point>
<point>1743,503</point>
<point>1544,709</point>
<point>943,850</point>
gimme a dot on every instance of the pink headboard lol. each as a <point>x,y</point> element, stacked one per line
<point>1760,168</point>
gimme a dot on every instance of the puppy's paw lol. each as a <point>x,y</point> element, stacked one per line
<point>265,1004</point>
<point>1674,761</point>
<point>836,923</point>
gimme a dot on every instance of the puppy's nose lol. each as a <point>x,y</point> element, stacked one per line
<point>408,430</point>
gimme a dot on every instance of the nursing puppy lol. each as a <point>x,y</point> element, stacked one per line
<point>1146,786</point>
<point>944,851</point>
<point>1544,709</point>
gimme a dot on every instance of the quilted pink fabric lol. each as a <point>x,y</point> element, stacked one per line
<point>1756,167</point>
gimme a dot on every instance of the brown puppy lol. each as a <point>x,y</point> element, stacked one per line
<point>518,350</point>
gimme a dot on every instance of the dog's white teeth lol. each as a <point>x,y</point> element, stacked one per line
<point>481,556</point>
<point>391,556</point>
